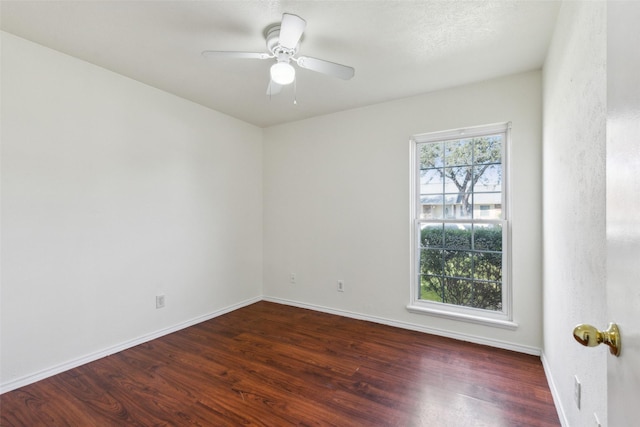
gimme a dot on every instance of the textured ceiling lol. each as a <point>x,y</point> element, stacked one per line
<point>398,48</point>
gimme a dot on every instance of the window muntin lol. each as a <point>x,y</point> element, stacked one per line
<point>460,250</point>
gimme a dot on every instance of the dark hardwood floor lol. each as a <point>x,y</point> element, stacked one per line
<point>275,365</point>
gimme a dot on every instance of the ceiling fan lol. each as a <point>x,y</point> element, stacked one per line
<point>283,41</point>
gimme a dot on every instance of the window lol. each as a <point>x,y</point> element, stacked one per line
<point>460,244</point>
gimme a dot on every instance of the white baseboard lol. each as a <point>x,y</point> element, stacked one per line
<point>37,376</point>
<point>411,326</point>
<point>554,392</point>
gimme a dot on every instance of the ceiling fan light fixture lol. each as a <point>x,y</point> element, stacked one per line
<point>283,73</point>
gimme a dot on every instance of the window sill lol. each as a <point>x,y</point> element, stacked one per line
<point>480,320</point>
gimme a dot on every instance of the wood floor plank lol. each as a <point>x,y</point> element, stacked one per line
<point>273,365</point>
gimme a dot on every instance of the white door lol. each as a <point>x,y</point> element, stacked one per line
<point>623,209</point>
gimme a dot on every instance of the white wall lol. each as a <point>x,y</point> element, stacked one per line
<point>336,205</point>
<point>574,206</point>
<point>113,192</point>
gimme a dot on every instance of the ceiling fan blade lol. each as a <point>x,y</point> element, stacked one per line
<point>291,30</point>
<point>326,67</point>
<point>235,55</point>
<point>273,88</point>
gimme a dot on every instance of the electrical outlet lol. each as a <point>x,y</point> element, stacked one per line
<point>340,285</point>
<point>576,390</point>
<point>292,278</point>
<point>159,301</point>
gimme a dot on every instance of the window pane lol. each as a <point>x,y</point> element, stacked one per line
<point>457,236</point>
<point>431,235</point>
<point>431,288</point>
<point>487,178</point>
<point>431,155</point>
<point>458,206</point>
<point>487,266</point>
<point>487,206</point>
<point>431,206</point>
<point>458,264</point>
<point>487,237</point>
<point>488,149</point>
<point>431,262</point>
<point>457,179</point>
<point>457,291</point>
<point>486,295</point>
<point>431,181</point>
<point>451,209</point>
<point>458,152</point>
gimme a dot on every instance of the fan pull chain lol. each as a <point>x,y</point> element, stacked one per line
<point>295,91</point>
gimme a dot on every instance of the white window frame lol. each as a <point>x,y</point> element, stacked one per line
<point>501,319</point>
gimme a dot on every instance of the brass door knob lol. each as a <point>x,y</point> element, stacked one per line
<point>589,336</point>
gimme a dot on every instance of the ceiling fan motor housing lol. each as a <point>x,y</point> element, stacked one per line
<point>273,44</point>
